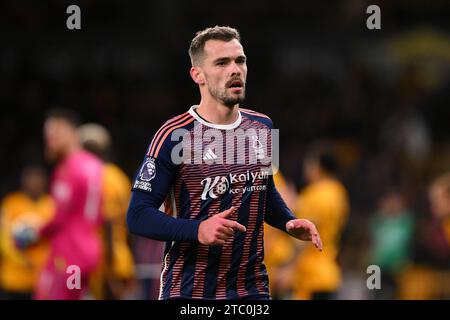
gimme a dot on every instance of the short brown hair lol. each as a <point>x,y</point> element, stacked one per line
<point>196,49</point>
<point>68,115</point>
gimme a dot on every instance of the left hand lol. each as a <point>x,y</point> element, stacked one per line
<point>304,230</point>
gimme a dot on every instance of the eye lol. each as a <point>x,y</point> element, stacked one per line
<point>221,63</point>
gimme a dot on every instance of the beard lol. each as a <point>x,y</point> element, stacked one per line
<point>51,156</point>
<point>228,99</point>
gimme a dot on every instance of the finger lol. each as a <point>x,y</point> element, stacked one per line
<point>319,243</point>
<point>234,225</point>
<point>222,236</point>
<point>227,213</point>
<point>315,238</point>
<point>218,242</point>
<point>225,230</point>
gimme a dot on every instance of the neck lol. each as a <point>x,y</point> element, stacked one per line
<point>321,177</point>
<point>33,195</point>
<point>216,112</point>
<point>71,148</point>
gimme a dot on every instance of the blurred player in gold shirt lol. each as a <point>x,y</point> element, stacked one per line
<point>32,206</point>
<point>278,246</point>
<point>324,201</point>
<point>113,279</point>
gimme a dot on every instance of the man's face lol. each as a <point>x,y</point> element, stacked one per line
<point>311,170</point>
<point>34,182</point>
<point>440,201</point>
<point>225,70</point>
<point>58,134</point>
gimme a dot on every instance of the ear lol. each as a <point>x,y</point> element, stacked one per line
<point>197,76</point>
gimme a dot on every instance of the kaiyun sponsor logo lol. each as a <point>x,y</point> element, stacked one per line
<point>213,187</point>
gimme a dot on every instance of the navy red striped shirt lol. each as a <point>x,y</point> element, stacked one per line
<point>215,173</point>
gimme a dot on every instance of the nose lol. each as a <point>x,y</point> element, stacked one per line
<point>235,70</point>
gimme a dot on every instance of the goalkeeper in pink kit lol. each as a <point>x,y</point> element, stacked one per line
<point>73,233</point>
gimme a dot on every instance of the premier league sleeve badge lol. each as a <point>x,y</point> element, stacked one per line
<point>148,170</point>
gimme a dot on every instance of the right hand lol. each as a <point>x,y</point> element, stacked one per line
<point>217,229</point>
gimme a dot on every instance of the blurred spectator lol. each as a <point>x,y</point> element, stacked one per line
<point>439,196</point>
<point>429,276</point>
<point>391,232</point>
<point>30,206</point>
<point>114,278</point>
<point>433,232</point>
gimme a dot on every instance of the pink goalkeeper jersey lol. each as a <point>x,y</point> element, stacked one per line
<point>76,188</point>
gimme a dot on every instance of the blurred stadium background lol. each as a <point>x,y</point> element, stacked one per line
<point>381,97</point>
